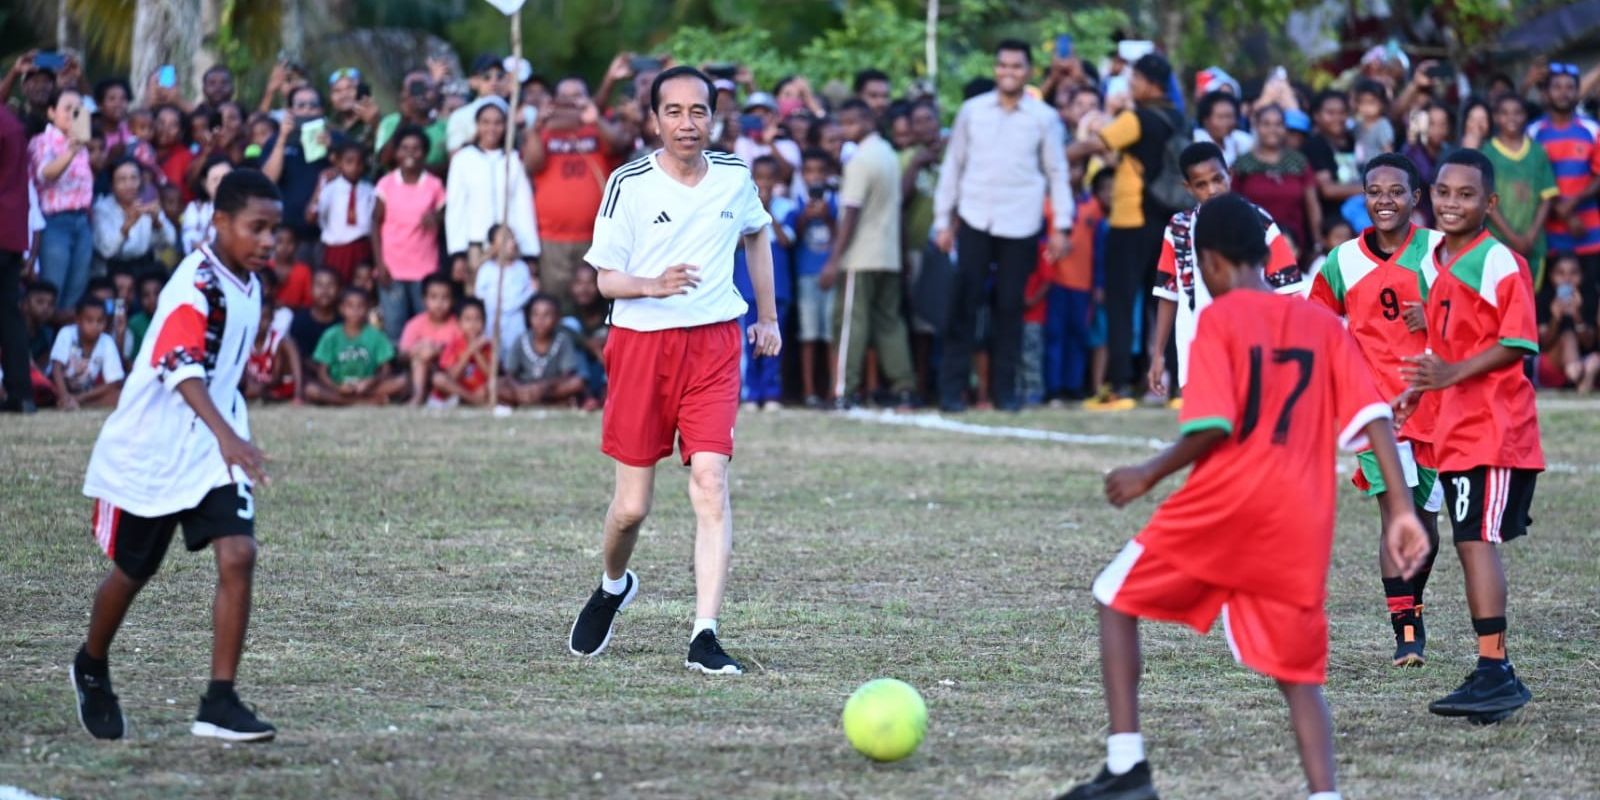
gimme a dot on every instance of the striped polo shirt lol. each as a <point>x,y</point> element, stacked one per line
<point>1576,159</point>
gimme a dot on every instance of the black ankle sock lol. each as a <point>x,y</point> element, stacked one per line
<point>88,663</point>
<point>1400,597</point>
<point>217,690</point>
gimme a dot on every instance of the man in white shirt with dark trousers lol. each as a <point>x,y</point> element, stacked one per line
<point>664,241</point>
<point>1006,152</point>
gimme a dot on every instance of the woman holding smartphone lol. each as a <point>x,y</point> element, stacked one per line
<point>58,160</point>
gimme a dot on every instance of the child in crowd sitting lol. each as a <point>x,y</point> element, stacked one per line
<point>168,252</point>
<point>38,314</point>
<point>589,325</point>
<point>352,360</point>
<point>1566,329</point>
<point>103,290</point>
<point>85,367</point>
<point>542,367</point>
<point>464,368</point>
<point>429,335</point>
<point>273,371</point>
<point>323,313</point>
<point>294,276</point>
<point>150,286</point>
<point>504,276</point>
<point>813,223</point>
<point>343,209</point>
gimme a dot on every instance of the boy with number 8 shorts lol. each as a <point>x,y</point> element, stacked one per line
<point>1275,386</point>
<point>1481,322</point>
<point>177,452</point>
<point>1375,282</point>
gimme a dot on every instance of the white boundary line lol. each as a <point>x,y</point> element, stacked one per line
<point>936,422</point>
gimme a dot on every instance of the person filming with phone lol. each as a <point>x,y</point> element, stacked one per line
<point>58,160</point>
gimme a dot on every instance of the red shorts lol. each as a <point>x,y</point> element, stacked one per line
<point>678,383</point>
<point>1272,637</point>
<point>344,258</point>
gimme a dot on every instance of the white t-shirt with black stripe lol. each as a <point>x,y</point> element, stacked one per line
<point>648,221</point>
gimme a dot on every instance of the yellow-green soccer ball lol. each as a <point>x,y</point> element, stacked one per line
<point>885,719</point>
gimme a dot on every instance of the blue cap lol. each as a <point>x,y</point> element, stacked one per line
<point>1297,120</point>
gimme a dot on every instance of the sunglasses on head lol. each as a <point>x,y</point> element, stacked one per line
<point>340,74</point>
<point>1564,69</point>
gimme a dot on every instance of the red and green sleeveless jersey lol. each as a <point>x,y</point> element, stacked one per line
<point>1371,294</point>
<point>1481,297</point>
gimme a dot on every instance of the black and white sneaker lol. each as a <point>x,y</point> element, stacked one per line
<point>98,710</point>
<point>229,719</point>
<point>591,631</point>
<point>1135,784</point>
<point>706,655</point>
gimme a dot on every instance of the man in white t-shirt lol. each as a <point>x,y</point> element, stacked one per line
<point>177,453</point>
<point>663,244</point>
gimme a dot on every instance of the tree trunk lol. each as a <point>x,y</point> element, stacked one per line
<point>292,25</point>
<point>205,55</point>
<point>68,35</point>
<point>1171,26</point>
<point>162,30</point>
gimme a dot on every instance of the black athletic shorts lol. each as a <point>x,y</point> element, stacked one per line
<point>1489,504</point>
<point>137,544</point>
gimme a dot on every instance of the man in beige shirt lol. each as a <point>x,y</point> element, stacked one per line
<point>867,245</point>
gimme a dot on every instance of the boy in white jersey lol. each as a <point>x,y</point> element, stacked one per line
<point>1180,294</point>
<point>177,452</point>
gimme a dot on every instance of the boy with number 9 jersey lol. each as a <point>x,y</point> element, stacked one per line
<point>176,452</point>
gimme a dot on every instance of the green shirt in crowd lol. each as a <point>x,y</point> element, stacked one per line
<point>355,359</point>
<point>1523,179</point>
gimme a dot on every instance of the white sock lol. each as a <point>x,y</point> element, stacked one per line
<point>617,586</point>
<point>1327,796</point>
<point>1123,750</point>
<point>703,624</point>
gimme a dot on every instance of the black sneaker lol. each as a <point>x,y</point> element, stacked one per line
<point>707,656</point>
<point>1135,784</point>
<point>1409,640</point>
<point>98,710</point>
<point>1492,691</point>
<point>591,631</point>
<point>229,719</point>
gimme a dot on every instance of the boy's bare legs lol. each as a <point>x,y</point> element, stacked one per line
<point>808,369</point>
<point>322,394</point>
<point>1120,666</point>
<point>1485,578</point>
<point>420,367</point>
<point>1313,732</point>
<point>630,504</point>
<point>713,540</point>
<point>111,603</point>
<point>230,611</point>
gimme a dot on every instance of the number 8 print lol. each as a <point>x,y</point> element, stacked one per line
<point>1463,497</point>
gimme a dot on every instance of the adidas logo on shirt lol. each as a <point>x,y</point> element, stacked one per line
<point>662,217</point>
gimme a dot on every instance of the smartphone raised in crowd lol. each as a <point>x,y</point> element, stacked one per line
<point>50,60</point>
<point>1064,46</point>
<point>167,76</point>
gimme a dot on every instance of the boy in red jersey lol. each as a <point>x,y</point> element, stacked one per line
<point>1481,322</point>
<point>1275,386</point>
<point>1375,282</point>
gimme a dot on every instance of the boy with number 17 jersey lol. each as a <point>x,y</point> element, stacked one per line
<point>1277,386</point>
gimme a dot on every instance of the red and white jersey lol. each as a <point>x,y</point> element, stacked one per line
<point>1288,385</point>
<point>1372,293</point>
<point>1482,297</point>
<point>1178,276</point>
<point>154,455</point>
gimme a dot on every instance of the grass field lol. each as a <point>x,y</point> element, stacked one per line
<point>419,573</point>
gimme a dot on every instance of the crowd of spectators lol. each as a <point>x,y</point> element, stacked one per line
<point>1000,254</point>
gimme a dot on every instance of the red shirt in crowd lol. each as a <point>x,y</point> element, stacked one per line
<point>566,192</point>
